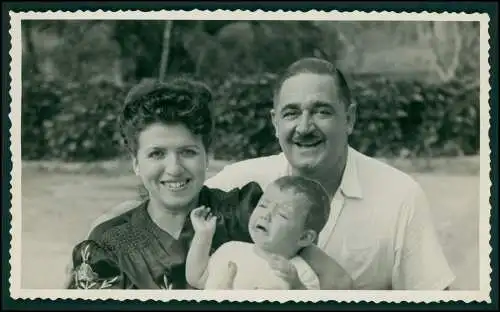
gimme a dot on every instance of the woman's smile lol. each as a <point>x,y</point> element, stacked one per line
<point>175,185</point>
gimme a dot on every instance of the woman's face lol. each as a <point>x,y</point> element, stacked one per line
<point>171,162</point>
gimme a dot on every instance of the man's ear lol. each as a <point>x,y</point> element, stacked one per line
<point>351,117</point>
<point>308,238</point>
<point>275,122</point>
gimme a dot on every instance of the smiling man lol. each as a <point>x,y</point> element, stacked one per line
<point>380,228</point>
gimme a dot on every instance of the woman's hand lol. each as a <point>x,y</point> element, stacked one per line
<point>203,221</point>
<point>285,270</point>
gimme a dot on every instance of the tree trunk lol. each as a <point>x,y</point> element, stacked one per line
<point>166,49</point>
<point>30,57</point>
<point>446,45</point>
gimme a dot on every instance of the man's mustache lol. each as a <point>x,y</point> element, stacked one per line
<point>306,136</point>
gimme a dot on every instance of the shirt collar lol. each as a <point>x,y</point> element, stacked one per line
<point>350,185</point>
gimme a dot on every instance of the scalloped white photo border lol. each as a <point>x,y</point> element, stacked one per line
<point>481,295</point>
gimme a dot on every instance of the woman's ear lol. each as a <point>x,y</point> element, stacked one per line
<point>135,165</point>
<point>307,238</point>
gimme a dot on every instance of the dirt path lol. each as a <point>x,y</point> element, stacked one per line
<point>57,210</point>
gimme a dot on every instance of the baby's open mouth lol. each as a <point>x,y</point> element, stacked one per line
<point>175,185</point>
<point>261,228</point>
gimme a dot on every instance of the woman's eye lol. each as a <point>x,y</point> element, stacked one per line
<point>156,154</point>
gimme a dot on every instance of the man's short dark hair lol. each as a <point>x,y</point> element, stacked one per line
<point>312,65</point>
<point>319,209</point>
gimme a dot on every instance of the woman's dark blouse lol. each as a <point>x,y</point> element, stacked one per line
<point>131,252</point>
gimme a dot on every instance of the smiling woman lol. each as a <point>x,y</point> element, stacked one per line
<point>171,163</point>
<point>166,128</point>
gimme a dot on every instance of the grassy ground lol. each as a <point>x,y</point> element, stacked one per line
<point>59,205</point>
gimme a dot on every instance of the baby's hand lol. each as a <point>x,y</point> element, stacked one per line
<point>285,270</point>
<point>203,221</point>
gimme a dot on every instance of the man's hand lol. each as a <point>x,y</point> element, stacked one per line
<point>285,270</point>
<point>203,221</point>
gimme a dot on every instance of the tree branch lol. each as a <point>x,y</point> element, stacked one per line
<point>166,49</point>
<point>455,61</point>
<point>440,40</point>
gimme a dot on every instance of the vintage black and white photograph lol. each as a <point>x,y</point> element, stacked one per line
<point>219,151</point>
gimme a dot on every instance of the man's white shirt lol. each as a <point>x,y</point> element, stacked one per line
<point>380,228</point>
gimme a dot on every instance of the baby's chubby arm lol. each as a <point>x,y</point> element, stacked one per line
<point>198,256</point>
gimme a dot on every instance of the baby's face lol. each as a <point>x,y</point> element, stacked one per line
<point>277,223</point>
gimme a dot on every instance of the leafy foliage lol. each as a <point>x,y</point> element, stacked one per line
<point>41,102</point>
<point>75,74</point>
<point>70,121</point>
<point>242,127</point>
<point>395,118</point>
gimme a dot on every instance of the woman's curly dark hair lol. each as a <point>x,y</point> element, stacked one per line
<point>177,101</point>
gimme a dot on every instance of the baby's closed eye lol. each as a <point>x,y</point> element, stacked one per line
<point>284,216</point>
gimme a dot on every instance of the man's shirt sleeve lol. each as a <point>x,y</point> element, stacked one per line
<point>230,177</point>
<point>420,261</point>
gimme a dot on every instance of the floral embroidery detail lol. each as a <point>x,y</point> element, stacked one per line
<point>166,284</point>
<point>86,278</point>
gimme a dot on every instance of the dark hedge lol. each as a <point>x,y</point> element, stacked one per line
<point>395,118</point>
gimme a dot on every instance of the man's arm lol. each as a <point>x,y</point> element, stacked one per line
<point>420,261</point>
<point>230,177</point>
<point>331,275</point>
<point>262,170</point>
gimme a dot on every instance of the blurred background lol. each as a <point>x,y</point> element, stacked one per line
<point>416,85</point>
